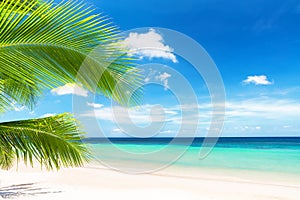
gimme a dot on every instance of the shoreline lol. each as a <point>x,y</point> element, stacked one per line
<point>218,174</point>
<point>99,182</point>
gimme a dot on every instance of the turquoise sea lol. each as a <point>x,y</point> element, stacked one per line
<point>255,154</point>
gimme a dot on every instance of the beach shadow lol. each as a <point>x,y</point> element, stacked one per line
<point>28,189</point>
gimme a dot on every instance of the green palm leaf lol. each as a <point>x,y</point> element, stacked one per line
<point>42,46</point>
<point>53,141</point>
<point>19,6</point>
<point>46,47</point>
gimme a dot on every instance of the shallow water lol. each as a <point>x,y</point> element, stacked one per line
<point>255,154</point>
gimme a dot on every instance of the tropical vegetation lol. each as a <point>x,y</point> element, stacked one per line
<point>44,45</point>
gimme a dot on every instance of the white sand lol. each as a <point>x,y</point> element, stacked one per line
<point>173,184</point>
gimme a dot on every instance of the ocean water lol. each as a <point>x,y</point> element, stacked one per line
<point>254,154</point>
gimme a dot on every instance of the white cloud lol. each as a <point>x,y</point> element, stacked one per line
<point>70,88</point>
<point>150,45</point>
<point>154,75</point>
<point>265,107</point>
<point>258,128</point>
<point>249,129</point>
<point>147,79</point>
<point>164,78</point>
<point>255,115</point>
<point>17,107</point>
<point>258,80</point>
<point>287,126</point>
<point>117,130</point>
<point>95,105</point>
<point>140,115</point>
<point>48,115</point>
<point>168,132</point>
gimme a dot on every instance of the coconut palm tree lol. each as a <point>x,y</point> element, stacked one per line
<point>44,45</point>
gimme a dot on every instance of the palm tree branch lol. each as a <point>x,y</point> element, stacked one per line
<point>55,141</point>
<point>65,31</point>
<point>41,69</point>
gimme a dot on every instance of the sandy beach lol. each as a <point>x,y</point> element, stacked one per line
<point>98,182</point>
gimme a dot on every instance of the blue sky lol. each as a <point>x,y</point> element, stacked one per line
<point>255,45</point>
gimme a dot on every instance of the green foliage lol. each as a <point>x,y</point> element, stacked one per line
<point>53,141</point>
<point>21,4</point>
<point>46,48</point>
<point>44,45</point>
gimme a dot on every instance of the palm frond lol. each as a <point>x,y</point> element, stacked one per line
<point>19,6</point>
<point>7,156</point>
<point>53,141</point>
<point>45,48</point>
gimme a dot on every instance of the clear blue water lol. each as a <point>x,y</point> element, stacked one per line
<point>257,154</point>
